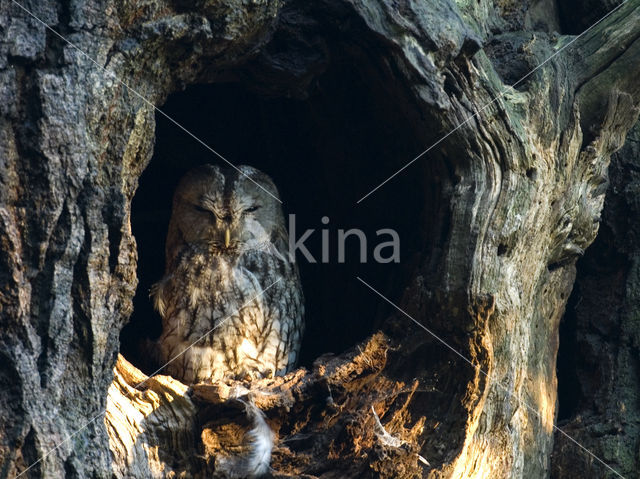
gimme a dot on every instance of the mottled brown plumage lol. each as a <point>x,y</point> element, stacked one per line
<point>228,269</point>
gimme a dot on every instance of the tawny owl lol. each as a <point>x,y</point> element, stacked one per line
<point>228,269</point>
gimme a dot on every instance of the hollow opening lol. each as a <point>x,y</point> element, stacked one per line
<point>588,323</point>
<point>324,153</point>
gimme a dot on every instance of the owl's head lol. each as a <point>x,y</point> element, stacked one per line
<point>225,210</point>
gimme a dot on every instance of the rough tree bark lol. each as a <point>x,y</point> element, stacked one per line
<point>599,382</point>
<point>516,197</point>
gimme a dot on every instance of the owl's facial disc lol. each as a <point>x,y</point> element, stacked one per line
<point>243,229</point>
<point>227,211</point>
<point>226,229</point>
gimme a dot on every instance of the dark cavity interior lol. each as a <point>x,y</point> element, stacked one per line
<point>324,153</point>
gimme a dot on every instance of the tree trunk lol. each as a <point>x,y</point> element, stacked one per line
<point>598,374</point>
<point>511,196</point>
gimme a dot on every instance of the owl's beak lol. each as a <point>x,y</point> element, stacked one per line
<point>227,237</point>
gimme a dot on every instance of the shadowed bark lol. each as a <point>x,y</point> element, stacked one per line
<point>598,374</point>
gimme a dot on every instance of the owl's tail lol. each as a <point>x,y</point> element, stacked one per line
<point>261,440</point>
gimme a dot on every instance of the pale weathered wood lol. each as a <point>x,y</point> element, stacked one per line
<point>155,424</point>
<point>151,424</point>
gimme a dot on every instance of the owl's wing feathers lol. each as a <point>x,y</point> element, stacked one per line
<point>156,293</point>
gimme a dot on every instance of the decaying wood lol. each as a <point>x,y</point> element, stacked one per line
<point>323,420</point>
<point>599,381</point>
<point>150,422</point>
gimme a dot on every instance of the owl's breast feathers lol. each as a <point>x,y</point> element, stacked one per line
<point>244,312</point>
